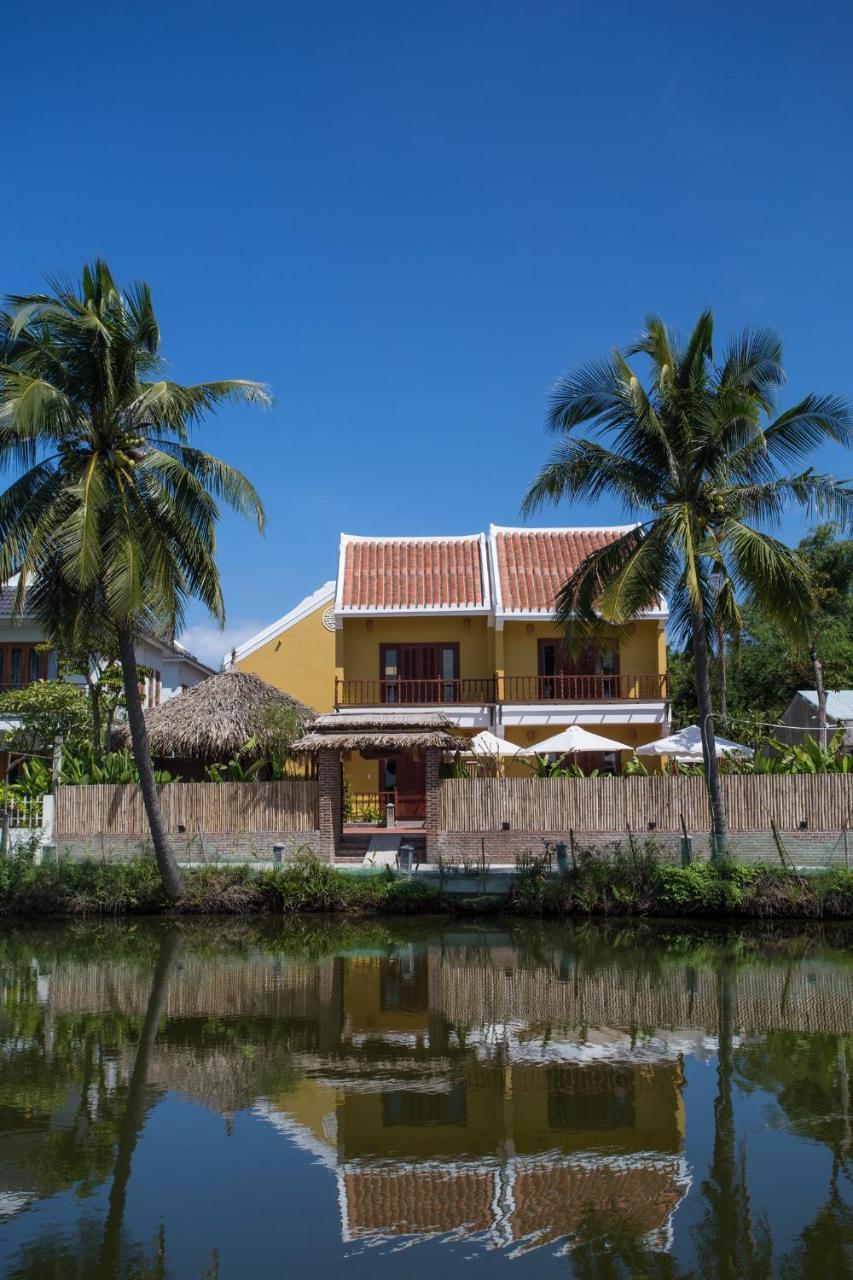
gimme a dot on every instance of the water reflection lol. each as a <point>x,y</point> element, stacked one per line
<point>522,1091</point>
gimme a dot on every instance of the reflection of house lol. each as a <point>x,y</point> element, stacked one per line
<point>428,1134</point>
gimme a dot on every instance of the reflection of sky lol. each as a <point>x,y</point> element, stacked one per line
<point>270,1209</point>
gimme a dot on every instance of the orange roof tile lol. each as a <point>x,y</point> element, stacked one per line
<point>412,574</point>
<point>413,1201</point>
<point>531,565</point>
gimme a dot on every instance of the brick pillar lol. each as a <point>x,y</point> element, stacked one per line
<point>330,787</point>
<point>432,762</point>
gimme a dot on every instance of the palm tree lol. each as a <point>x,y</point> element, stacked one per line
<point>113,513</point>
<point>695,457</point>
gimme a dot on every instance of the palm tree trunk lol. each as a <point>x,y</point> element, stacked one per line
<point>173,884</point>
<point>97,730</point>
<point>701,667</point>
<point>817,668</point>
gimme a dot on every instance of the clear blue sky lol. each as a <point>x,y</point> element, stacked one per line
<point>409,218</point>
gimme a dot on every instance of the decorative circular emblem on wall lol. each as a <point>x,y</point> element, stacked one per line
<point>329,618</point>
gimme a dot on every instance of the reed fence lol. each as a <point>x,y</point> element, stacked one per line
<point>197,808</point>
<point>491,989</point>
<point>817,802</point>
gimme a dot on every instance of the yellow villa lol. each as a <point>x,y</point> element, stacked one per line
<point>462,625</point>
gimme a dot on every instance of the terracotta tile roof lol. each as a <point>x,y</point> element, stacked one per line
<point>556,1200</point>
<point>378,574</point>
<point>530,565</point>
<point>417,1200</point>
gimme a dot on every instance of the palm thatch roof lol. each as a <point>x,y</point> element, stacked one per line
<point>387,731</point>
<point>214,719</point>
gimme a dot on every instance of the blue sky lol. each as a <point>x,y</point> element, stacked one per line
<point>410,218</point>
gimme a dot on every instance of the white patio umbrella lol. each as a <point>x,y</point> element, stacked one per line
<point>489,744</point>
<point>567,741</point>
<point>685,746</point>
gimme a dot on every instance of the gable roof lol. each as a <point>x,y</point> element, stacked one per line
<point>839,703</point>
<point>413,575</point>
<point>323,595</point>
<point>529,566</point>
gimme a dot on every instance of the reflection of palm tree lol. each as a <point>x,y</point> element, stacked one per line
<point>732,1249</point>
<point>171,945</point>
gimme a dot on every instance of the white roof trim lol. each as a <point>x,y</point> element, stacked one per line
<point>423,611</point>
<point>411,537</point>
<point>548,614</point>
<point>323,595</point>
<point>563,528</point>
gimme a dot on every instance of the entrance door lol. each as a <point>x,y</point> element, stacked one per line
<point>419,673</point>
<point>409,777</point>
<point>586,677</point>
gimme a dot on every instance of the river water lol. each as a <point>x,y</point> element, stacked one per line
<point>403,1098</point>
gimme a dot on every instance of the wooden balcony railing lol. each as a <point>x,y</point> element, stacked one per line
<point>586,688</point>
<point>485,689</point>
<point>370,807</point>
<point>413,693</point>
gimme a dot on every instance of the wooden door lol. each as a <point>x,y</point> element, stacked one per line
<point>410,799</point>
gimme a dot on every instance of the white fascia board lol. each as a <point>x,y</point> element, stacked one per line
<point>495,529</point>
<point>610,713</point>
<point>418,611</point>
<point>323,595</point>
<point>546,615</point>
<point>485,575</point>
<point>496,577</point>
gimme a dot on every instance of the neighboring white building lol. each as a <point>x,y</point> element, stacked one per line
<point>800,717</point>
<point>172,667</point>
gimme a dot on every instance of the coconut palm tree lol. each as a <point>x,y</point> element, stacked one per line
<point>695,457</point>
<point>113,512</point>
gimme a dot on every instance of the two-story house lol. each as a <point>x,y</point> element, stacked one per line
<point>463,625</point>
<point>168,666</point>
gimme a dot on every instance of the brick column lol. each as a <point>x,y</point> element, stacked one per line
<point>330,788</point>
<point>432,762</point>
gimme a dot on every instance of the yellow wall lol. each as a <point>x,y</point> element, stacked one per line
<point>363,636</point>
<point>642,649</point>
<point>301,661</point>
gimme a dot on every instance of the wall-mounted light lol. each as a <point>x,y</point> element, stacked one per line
<point>804,825</point>
<point>530,628</point>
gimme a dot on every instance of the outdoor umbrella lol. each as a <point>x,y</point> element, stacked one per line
<point>573,739</point>
<point>686,746</point>
<point>489,744</point>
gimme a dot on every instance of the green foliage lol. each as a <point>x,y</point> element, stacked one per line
<point>634,882</point>
<point>82,768</point>
<point>235,770</point>
<point>277,729</point>
<point>46,709</point>
<point>767,667</point>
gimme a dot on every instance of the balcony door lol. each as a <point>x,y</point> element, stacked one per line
<point>590,675</point>
<point>419,674</point>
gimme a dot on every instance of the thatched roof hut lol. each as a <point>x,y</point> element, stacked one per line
<point>387,731</point>
<point>213,720</point>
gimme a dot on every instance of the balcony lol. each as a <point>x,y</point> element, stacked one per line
<point>582,688</point>
<point>435,692</point>
<point>482,690</point>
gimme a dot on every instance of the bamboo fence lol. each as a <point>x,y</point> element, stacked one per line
<point>817,802</point>
<point>494,990</point>
<point>197,808</point>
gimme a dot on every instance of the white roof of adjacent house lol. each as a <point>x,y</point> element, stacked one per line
<point>839,703</point>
